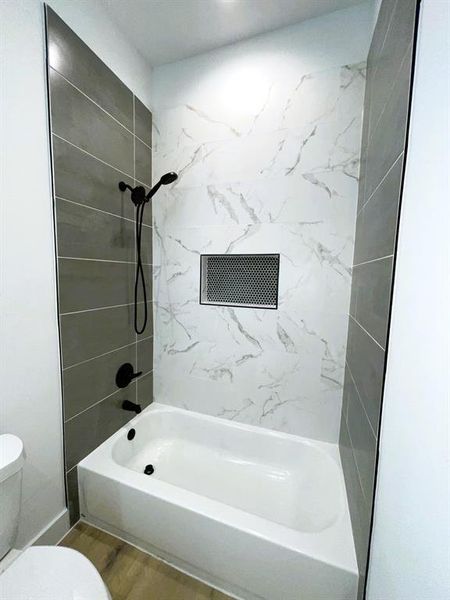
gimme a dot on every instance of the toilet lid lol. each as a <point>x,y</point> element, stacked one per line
<point>52,573</point>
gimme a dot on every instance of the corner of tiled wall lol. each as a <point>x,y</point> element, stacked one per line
<point>386,108</point>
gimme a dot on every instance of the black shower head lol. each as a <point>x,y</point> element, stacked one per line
<point>168,178</point>
<point>165,180</point>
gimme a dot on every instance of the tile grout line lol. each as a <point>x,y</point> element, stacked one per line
<point>63,139</point>
<point>120,262</point>
<point>82,362</point>
<point>60,137</point>
<point>358,474</point>
<point>92,406</point>
<point>90,99</point>
<point>99,105</point>
<point>360,401</point>
<point>351,441</point>
<point>392,88</point>
<point>380,183</point>
<point>105,212</point>
<point>85,310</point>
<point>367,262</point>
<point>104,260</point>
<point>367,333</point>
<point>103,399</point>
<point>380,51</point>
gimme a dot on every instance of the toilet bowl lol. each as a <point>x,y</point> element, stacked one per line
<point>39,572</point>
<point>52,573</point>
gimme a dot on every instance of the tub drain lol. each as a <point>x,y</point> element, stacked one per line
<point>149,470</point>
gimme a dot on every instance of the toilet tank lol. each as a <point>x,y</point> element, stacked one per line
<point>11,463</point>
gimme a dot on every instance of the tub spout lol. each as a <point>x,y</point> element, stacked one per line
<point>127,405</point>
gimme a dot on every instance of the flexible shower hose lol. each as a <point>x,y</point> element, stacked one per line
<point>139,270</point>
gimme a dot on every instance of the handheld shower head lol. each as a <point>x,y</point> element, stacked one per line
<point>165,180</point>
<point>168,178</point>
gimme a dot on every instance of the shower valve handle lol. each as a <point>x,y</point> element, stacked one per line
<point>125,375</point>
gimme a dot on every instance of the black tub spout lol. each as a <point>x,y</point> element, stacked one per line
<point>128,405</point>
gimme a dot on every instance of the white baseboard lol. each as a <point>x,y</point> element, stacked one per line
<point>54,531</point>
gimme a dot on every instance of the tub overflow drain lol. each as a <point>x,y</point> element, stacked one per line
<point>149,470</point>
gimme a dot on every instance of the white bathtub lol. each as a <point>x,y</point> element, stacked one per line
<point>255,513</point>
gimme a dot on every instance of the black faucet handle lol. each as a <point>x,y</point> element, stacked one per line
<point>125,375</point>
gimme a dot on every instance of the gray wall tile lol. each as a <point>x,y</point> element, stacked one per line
<point>87,431</point>
<point>353,295</point>
<point>142,122</point>
<point>147,246</point>
<point>385,14</point>
<point>363,163</point>
<point>373,282</point>
<point>376,226</point>
<point>386,104</point>
<point>86,284</point>
<point>81,178</point>
<point>363,443</point>
<point>91,381</point>
<point>143,163</point>
<point>88,334</point>
<point>95,227</point>
<point>388,138</point>
<point>71,57</point>
<point>360,510</point>
<point>348,392</point>
<point>72,495</point>
<point>366,362</point>
<point>87,233</point>
<point>387,62</point>
<point>81,122</point>
<point>86,180</point>
<point>145,390</point>
<point>149,328</point>
<point>145,355</point>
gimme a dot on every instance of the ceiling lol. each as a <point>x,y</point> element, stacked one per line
<point>168,30</point>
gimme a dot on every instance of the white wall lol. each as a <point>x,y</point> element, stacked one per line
<point>265,136</point>
<point>30,400</point>
<point>410,548</point>
<point>30,394</point>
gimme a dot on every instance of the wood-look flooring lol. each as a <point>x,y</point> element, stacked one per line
<point>134,575</point>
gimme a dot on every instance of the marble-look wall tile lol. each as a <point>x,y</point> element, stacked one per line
<point>283,179</point>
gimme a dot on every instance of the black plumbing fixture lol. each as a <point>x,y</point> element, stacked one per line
<point>139,199</point>
<point>131,434</point>
<point>131,406</point>
<point>125,374</point>
<point>149,470</point>
<point>137,193</point>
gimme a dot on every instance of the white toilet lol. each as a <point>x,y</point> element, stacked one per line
<point>39,572</point>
